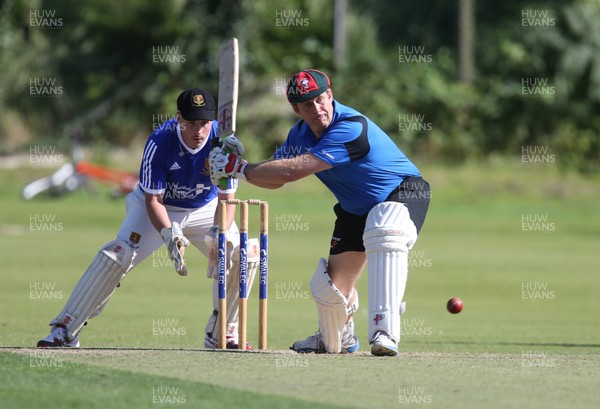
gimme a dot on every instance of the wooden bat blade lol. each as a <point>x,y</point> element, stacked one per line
<point>228,86</point>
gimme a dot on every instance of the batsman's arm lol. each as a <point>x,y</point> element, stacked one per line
<point>156,211</point>
<point>274,173</point>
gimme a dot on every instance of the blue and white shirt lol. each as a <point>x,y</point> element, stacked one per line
<point>180,174</point>
<point>366,164</point>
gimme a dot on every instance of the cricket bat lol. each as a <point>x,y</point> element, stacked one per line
<point>228,97</point>
<point>228,87</point>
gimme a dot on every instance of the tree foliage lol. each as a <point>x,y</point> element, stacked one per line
<point>120,65</point>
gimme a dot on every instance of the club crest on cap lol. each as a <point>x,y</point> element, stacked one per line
<point>199,100</point>
<point>306,84</point>
<point>196,104</point>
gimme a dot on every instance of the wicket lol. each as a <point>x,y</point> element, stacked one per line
<point>263,272</point>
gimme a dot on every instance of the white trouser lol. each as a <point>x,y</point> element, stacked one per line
<point>195,224</point>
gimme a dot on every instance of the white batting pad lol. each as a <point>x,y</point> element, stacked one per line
<point>389,235</point>
<point>332,308</point>
<point>96,286</point>
<point>233,288</point>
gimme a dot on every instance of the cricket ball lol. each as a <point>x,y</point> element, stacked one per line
<point>454,305</point>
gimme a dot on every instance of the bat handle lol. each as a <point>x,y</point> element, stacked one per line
<point>223,184</point>
<point>221,142</point>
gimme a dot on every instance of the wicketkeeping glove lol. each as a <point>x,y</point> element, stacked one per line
<point>176,244</point>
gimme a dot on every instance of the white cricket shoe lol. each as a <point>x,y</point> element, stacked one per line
<point>383,345</point>
<point>58,338</point>
<point>314,343</point>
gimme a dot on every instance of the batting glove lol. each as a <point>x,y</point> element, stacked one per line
<point>225,165</point>
<point>228,144</point>
<point>231,144</point>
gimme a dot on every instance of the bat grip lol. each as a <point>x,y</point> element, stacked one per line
<point>223,184</point>
<point>220,142</point>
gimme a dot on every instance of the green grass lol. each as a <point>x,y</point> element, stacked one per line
<point>503,350</point>
<point>129,378</point>
<point>46,379</point>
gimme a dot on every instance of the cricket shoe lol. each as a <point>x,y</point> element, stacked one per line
<point>314,343</point>
<point>383,345</point>
<point>57,339</point>
<point>212,343</point>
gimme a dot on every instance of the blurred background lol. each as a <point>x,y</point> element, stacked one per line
<point>450,81</point>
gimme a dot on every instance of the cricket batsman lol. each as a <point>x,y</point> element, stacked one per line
<point>382,204</point>
<point>175,204</point>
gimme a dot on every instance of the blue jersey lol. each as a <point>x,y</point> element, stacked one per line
<point>180,174</point>
<point>366,164</point>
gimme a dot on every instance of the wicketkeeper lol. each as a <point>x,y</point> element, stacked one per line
<point>175,204</point>
<point>382,205</point>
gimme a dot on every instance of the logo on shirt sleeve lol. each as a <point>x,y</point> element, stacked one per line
<point>327,154</point>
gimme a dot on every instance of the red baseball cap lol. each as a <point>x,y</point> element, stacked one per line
<point>307,84</point>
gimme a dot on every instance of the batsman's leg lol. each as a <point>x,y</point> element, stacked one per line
<point>336,328</point>
<point>389,235</point>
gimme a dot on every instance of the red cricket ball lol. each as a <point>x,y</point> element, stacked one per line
<point>454,305</point>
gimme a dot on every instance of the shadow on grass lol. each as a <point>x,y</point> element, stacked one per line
<point>231,351</point>
<point>545,344</point>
